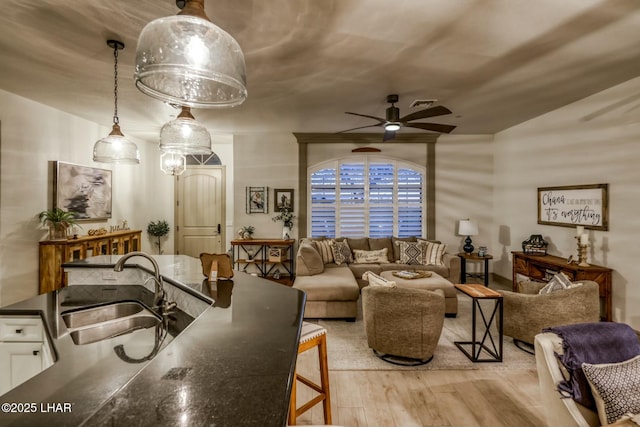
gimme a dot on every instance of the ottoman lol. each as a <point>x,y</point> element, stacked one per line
<point>431,283</point>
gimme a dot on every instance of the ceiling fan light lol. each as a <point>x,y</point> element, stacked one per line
<point>185,135</point>
<point>116,148</point>
<point>392,127</point>
<point>187,60</point>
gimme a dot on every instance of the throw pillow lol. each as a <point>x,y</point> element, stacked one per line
<point>309,261</point>
<point>371,257</point>
<point>411,252</point>
<point>324,248</point>
<point>558,282</point>
<point>341,252</point>
<point>615,387</point>
<point>433,252</point>
<point>375,280</point>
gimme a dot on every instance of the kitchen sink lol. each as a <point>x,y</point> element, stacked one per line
<point>88,325</point>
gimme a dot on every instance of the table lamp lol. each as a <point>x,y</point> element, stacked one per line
<point>467,228</point>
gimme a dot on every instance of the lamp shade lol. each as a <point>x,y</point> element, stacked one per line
<point>185,135</point>
<point>187,60</point>
<point>116,148</point>
<point>467,228</point>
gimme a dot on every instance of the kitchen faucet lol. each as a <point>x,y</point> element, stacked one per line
<point>159,295</point>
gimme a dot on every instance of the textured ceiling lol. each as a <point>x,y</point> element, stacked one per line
<point>494,63</point>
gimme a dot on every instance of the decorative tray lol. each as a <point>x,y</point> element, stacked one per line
<point>411,274</point>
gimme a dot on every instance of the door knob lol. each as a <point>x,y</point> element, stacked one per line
<point>219,229</point>
<point>36,352</point>
<point>19,331</point>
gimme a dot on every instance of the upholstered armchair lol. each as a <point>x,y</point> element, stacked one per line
<point>526,312</point>
<point>403,323</point>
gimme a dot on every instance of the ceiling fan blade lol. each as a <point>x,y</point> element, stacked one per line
<point>429,112</point>
<point>388,135</point>
<point>361,127</point>
<point>381,120</point>
<point>435,127</point>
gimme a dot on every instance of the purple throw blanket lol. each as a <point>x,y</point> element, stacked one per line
<point>602,342</point>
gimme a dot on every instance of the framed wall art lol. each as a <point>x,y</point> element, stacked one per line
<point>257,200</point>
<point>83,190</point>
<point>283,198</point>
<point>570,206</point>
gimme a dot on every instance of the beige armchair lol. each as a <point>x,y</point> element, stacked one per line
<point>526,312</point>
<point>403,325</point>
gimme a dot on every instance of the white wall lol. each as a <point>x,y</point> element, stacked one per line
<point>595,140</point>
<point>32,135</point>
<point>269,160</point>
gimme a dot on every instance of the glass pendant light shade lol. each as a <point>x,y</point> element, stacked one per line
<point>173,163</point>
<point>116,148</point>
<point>187,60</point>
<point>185,135</point>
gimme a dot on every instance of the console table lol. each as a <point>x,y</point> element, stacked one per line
<point>54,253</point>
<point>544,267</point>
<point>266,255</point>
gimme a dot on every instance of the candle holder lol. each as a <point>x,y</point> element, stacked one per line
<point>582,253</point>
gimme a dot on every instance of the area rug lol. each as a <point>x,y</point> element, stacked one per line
<point>348,350</point>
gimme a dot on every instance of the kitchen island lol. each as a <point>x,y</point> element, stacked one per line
<point>231,364</point>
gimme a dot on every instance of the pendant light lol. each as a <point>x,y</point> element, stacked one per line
<point>173,163</point>
<point>187,60</point>
<point>185,135</point>
<point>115,148</point>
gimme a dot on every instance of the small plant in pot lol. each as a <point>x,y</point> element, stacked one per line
<point>159,229</point>
<point>58,222</point>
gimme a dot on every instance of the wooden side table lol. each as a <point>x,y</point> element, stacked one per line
<point>474,257</point>
<point>478,293</point>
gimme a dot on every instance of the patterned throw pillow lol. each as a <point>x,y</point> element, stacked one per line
<point>371,257</point>
<point>558,282</point>
<point>411,252</point>
<point>375,280</point>
<point>324,247</point>
<point>433,252</point>
<point>341,252</point>
<point>615,387</point>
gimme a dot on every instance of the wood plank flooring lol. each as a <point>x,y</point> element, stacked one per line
<point>425,398</point>
<point>483,398</point>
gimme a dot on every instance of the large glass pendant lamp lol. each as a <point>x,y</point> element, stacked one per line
<point>185,135</point>
<point>187,60</point>
<point>173,163</point>
<point>116,148</point>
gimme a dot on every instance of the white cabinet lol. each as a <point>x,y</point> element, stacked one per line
<point>24,350</point>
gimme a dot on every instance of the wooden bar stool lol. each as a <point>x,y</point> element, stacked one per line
<point>312,335</point>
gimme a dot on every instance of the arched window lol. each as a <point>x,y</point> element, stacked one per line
<point>373,197</point>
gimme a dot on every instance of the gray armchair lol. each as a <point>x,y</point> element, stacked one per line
<point>403,325</point>
<point>526,312</point>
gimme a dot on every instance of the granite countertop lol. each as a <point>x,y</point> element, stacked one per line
<point>232,366</point>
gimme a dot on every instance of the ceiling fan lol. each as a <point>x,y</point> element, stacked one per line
<point>393,122</point>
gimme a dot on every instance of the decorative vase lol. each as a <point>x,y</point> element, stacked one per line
<point>286,233</point>
<point>57,231</point>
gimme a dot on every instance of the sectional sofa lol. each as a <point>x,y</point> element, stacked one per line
<point>333,290</point>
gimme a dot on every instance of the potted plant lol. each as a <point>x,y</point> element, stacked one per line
<point>286,217</point>
<point>158,229</point>
<point>58,222</point>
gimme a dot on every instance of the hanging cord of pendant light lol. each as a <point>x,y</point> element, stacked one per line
<point>116,45</point>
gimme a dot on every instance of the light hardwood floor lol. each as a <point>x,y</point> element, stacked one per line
<point>487,398</point>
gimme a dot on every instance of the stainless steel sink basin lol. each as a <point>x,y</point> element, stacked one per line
<point>93,324</point>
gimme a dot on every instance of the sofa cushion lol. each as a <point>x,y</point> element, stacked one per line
<point>396,247</point>
<point>334,284</point>
<point>411,252</point>
<point>376,243</point>
<point>361,243</point>
<point>558,282</point>
<point>324,247</point>
<point>309,261</point>
<point>341,252</point>
<point>615,387</point>
<point>370,257</point>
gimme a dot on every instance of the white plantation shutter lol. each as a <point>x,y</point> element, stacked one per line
<point>366,197</point>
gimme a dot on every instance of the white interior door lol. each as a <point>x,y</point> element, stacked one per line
<point>200,210</point>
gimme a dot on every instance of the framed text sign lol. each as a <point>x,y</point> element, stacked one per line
<point>573,205</point>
